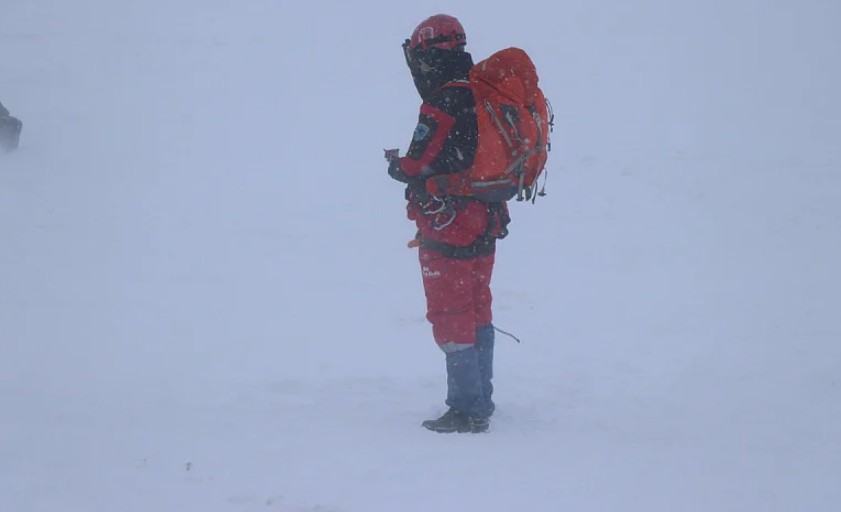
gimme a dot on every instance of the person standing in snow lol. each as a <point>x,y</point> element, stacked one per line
<point>10,128</point>
<point>456,236</point>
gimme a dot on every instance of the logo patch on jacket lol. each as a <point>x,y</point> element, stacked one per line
<point>421,131</point>
<point>430,274</point>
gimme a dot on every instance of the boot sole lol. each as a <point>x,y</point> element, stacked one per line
<point>469,430</point>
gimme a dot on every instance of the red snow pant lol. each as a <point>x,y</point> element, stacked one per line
<point>458,297</point>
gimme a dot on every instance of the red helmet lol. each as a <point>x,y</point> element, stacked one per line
<point>439,31</point>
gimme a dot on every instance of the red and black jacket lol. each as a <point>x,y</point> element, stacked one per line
<point>445,141</point>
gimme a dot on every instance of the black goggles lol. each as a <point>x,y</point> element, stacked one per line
<point>415,59</point>
<point>407,51</point>
<point>412,54</point>
<point>426,44</point>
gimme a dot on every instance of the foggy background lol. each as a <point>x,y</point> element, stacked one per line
<point>206,302</point>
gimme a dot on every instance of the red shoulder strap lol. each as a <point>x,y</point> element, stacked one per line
<point>456,83</point>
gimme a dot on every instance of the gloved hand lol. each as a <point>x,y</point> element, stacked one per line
<point>391,154</point>
<point>394,169</point>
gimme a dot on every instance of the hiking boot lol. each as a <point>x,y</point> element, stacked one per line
<point>454,421</point>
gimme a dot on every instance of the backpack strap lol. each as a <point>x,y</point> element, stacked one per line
<point>456,83</point>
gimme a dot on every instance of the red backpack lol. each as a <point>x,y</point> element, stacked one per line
<point>514,125</point>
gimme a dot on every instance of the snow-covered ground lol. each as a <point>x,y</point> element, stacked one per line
<point>206,303</point>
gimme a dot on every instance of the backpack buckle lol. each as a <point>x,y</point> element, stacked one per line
<point>434,206</point>
<point>444,219</point>
<point>444,211</point>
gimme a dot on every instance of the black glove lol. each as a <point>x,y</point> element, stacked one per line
<point>391,154</point>
<point>394,169</point>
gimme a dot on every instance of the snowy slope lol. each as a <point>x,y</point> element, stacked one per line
<point>206,302</point>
